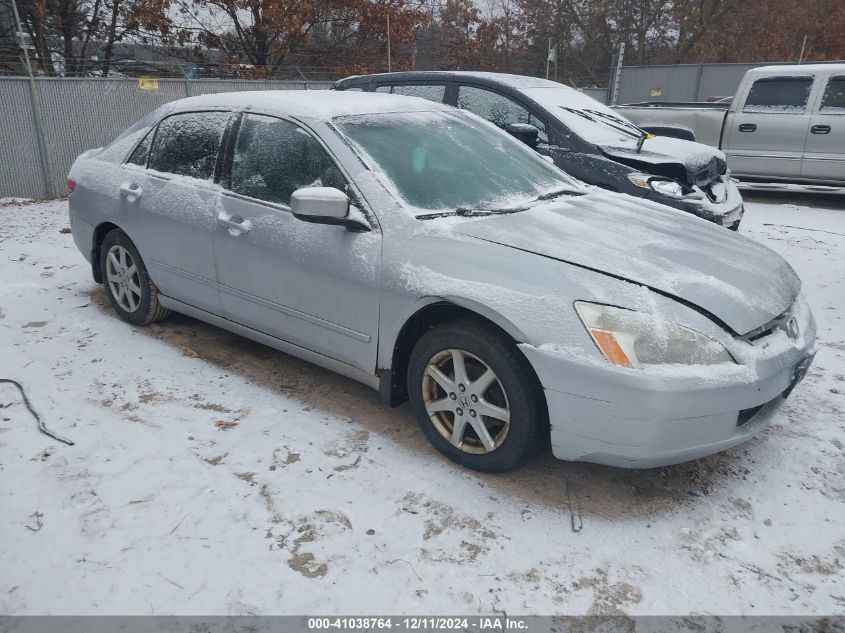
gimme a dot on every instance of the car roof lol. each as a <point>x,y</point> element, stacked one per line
<point>797,69</point>
<point>502,79</point>
<point>311,104</point>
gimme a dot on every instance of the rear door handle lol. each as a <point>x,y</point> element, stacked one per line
<point>235,223</point>
<point>820,129</point>
<point>747,127</point>
<point>131,191</point>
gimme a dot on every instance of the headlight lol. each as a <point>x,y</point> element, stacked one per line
<point>634,339</point>
<point>660,185</point>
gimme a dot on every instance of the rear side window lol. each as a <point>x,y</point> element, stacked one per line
<point>833,101</point>
<point>497,109</point>
<point>139,156</point>
<point>779,95</point>
<point>432,92</point>
<point>273,158</point>
<point>187,144</point>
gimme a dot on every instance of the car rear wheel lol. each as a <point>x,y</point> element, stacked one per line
<point>475,396</point>
<point>128,285</point>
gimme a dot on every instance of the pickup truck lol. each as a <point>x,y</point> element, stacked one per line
<point>786,124</point>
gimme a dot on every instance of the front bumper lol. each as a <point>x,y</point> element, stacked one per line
<point>632,419</point>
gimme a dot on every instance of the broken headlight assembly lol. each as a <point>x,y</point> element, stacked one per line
<point>663,186</point>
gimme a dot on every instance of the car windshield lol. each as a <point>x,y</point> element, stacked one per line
<point>448,161</point>
<point>591,120</point>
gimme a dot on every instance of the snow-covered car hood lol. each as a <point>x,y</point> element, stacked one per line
<point>736,280</point>
<point>698,162</point>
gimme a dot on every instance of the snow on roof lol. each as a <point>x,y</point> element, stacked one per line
<point>798,69</point>
<point>514,81</point>
<point>315,104</point>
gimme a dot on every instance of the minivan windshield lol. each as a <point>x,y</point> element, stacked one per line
<point>449,161</point>
<point>591,120</point>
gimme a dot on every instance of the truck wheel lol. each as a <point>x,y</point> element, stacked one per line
<point>128,285</point>
<point>475,396</point>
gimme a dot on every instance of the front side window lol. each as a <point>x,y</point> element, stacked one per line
<point>497,109</point>
<point>273,158</point>
<point>833,101</point>
<point>187,144</point>
<point>444,161</point>
<point>781,95</point>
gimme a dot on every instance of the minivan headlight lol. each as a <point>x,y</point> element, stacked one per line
<point>660,185</point>
<point>635,339</point>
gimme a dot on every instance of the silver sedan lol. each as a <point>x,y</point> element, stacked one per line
<point>420,250</point>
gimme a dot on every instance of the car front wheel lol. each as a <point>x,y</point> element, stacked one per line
<point>475,396</point>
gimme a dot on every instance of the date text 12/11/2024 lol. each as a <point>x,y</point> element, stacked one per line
<point>480,623</point>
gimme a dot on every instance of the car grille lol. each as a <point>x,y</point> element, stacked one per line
<point>705,175</point>
<point>769,328</point>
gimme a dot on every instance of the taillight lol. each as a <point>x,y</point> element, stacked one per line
<point>71,185</point>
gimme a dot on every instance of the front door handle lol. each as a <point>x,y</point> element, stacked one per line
<point>747,127</point>
<point>820,129</point>
<point>234,223</point>
<point>130,190</point>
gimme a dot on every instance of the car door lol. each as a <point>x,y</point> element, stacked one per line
<point>824,153</point>
<point>168,191</point>
<point>767,136</point>
<point>313,285</point>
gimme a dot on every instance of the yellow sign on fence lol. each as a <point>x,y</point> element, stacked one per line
<point>148,83</point>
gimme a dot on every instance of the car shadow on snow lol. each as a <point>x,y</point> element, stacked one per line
<point>581,488</point>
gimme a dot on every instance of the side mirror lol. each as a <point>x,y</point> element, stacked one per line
<point>325,205</point>
<point>526,133</point>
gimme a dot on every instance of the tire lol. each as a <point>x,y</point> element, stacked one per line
<point>139,302</point>
<point>514,390</point>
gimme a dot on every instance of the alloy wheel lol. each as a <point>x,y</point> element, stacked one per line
<point>465,401</point>
<point>123,278</point>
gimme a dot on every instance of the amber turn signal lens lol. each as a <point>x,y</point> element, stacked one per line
<point>610,348</point>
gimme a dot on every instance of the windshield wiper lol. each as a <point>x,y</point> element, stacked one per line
<point>551,195</point>
<point>470,212</point>
<point>478,212</point>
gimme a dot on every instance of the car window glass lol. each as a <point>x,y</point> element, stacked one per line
<point>139,156</point>
<point>833,101</point>
<point>440,160</point>
<point>779,94</point>
<point>273,158</point>
<point>187,144</point>
<point>431,92</point>
<point>497,109</point>
<point>383,89</point>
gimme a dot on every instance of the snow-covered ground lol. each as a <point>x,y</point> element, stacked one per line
<point>211,475</point>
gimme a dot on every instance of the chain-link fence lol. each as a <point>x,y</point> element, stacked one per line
<point>47,123</point>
